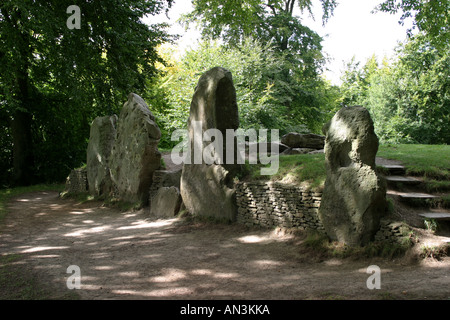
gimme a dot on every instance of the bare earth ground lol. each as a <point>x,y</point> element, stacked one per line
<point>129,255</point>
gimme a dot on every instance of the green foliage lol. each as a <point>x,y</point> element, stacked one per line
<point>264,99</point>
<point>290,95</point>
<point>265,20</point>
<point>409,99</point>
<point>431,17</point>
<point>54,81</point>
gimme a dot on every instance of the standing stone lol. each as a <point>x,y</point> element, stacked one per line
<point>166,203</point>
<point>101,141</point>
<point>207,189</point>
<point>135,154</point>
<point>354,197</point>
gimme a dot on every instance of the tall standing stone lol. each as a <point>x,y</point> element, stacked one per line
<point>101,140</point>
<point>207,189</point>
<point>135,154</point>
<point>354,197</point>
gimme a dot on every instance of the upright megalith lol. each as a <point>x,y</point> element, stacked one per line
<point>207,185</point>
<point>101,140</point>
<point>354,197</point>
<point>135,155</point>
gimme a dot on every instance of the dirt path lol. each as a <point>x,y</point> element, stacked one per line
<point>131,256</point>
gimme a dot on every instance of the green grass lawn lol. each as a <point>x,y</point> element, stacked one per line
<point>306,168</point>
<point>430,161</point>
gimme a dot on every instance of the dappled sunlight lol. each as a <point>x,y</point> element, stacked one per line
<point>37,249</point>
<point>45,256</point>
<point>264,238</point>
<point>267,263</point>
<point>83,232</point>
<point>133,256</point>
<point>169,275</point>
<point>145,224</point>
<point>253,239</point>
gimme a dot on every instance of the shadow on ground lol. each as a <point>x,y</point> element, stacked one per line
<point>129,255</point>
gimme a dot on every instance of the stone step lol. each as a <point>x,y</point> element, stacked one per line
<point>417,199</point>
<point>436,215</point>
<point>402,179</point>
<point>394,169</point>
<point>416,195</point>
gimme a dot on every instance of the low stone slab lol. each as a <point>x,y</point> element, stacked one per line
<point>135,155</point>
<point>166,203</point>
<point>297,140</point>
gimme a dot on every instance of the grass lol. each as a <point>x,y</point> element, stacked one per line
<point>7,194</point>
<point>295,169</point>
<point>429,161</point>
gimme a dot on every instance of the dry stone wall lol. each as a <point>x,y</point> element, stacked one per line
<point>272,204</point>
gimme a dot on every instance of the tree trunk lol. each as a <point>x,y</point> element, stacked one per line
<point>23,160</point>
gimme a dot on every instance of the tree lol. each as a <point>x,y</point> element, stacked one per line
<point>54,79</point>
<point>356,81</point>
<point>271,20</point>
<point>298,48</point>
<point>431,17</point>
<point>260,96</point>
<point>409,98</point>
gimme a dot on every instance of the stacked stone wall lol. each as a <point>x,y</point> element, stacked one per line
<point>272,204</point>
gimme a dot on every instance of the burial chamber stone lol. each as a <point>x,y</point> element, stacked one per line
<point>207,189</point>
<point>298,140</point>
<point>166,202</point>
<point>101,140</point>
<point>135,155</point>
<point>354,196</point>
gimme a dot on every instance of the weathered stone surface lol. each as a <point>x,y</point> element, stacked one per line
<point>354,197</point>
<point>76,182</point>
<point>101,140</point>
<point>297,140</point>
<point>207,190</point>
<point>166,202</point>
<point>165,178</point>
<point>135,154</point>
<point>317,151</point>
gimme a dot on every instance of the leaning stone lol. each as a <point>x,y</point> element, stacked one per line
<point>135,155</point>
<point>101,141</point>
